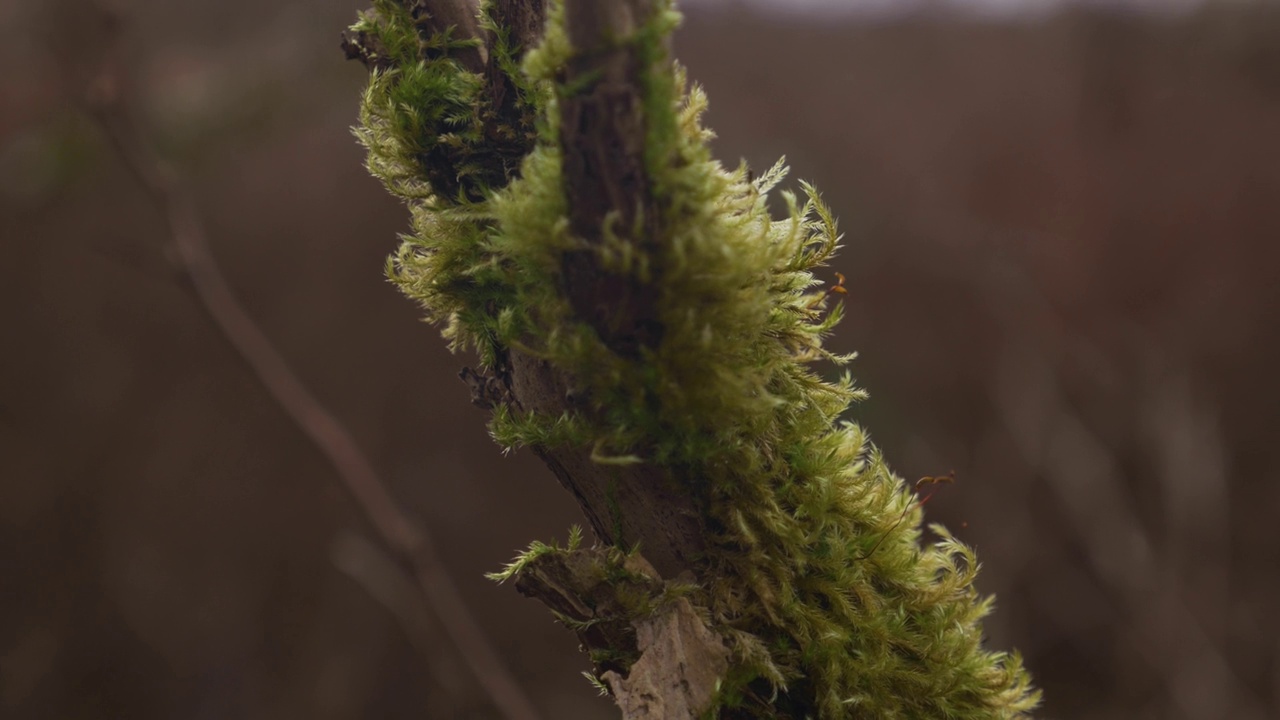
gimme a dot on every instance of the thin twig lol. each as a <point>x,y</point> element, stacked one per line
<point>404,537</point>
<point>387,581</point>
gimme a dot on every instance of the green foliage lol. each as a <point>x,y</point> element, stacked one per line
<point>536,550</point>
<point>817,576</point>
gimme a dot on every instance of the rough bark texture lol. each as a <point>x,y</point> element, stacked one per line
<point>626,505</point>
<point>434,16</point>
<point>509,124</point>
<point>602,131</point>
<point>680,666</point>
<point>524,19</point>
<point>667,664</point>
<point>809,561</point>
<point>602,134</point>
<point>602,137</point>
<point>574,586</point>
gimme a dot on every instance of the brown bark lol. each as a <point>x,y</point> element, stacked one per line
<point>602,136</point>
<point>602,132</point>
<point>680,667</point>
<point>434,16</point>
<point>672,660</point>
<point>664,663</point>
<point>626,505</point>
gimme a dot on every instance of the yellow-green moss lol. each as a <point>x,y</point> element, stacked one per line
<point>817,576</point>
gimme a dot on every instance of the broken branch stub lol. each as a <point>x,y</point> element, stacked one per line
<point>680,667</point>
<point>655,652</point>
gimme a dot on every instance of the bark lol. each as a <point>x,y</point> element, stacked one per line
<point>678,661</point>
<point>667,664</point>
<point>434,16</point>
<point>602,132</point>
<point>602,135</point>
<point>896,633</point>
<point>626,505</point>
<point>680,667</point>
<point>662,665</point>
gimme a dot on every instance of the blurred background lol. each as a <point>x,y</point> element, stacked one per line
<point>1064,282</point>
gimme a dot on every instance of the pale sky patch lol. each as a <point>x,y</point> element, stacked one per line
<point>980,8</point>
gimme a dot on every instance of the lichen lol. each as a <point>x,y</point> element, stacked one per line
<point>817,574</point>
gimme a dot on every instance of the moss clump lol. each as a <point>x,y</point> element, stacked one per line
<point>816,573</point>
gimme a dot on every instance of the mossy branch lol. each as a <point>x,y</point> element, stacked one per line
<point>650,331</point>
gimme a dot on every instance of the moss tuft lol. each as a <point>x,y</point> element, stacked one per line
<point>818,577</point>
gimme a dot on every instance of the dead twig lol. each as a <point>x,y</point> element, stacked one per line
<point>406,538</point>
<point>386,581</point>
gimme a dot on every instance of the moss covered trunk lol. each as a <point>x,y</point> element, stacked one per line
<point>651,332</point>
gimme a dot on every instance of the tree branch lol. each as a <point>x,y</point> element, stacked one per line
<point>602,136</point>
<point>661,661</point>
<point>436,16</point>
<point>755,501</point>
<point>523,19</point>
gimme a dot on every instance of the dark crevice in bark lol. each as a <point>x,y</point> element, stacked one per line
<point>602,132</point>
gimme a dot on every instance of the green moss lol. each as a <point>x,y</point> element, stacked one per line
<point>817,576</point>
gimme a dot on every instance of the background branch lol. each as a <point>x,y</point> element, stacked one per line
<point>406,538</point>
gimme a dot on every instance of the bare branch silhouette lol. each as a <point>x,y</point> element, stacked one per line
<point>405,537</point>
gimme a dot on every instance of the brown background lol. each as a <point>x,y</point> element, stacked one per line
<point>1063,281</point>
